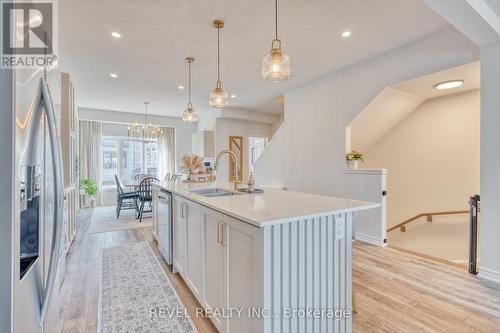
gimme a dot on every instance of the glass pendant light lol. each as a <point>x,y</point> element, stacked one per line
<point>276,63</point>
<point>218,97</point>
<point>190,114</point>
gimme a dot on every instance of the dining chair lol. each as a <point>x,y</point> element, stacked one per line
<point>167,177</point>
<point>174,177</point>
<point>141,176</point>
<point>124,200</point>
<point>145,195</point>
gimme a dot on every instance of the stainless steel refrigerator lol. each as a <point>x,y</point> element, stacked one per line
<point>31,201</point>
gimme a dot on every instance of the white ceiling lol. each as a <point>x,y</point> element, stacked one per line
<point>393,104</point>
<point>424,86</point>
<point>383,113</point>
<point>158,34</point>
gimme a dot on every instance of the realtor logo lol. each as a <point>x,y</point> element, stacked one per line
<point>29,34</point>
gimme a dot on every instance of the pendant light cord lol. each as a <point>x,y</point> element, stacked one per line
<point>276,18</point>
<point>189,64</point>
<point>218,54</point>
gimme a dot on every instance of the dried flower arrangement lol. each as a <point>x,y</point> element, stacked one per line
<point>192,163</point>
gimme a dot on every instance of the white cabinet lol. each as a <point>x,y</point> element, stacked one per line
<point>219,258</point>
<point>179,224</point>
<point>68,130</point>
<point>154,206</point>
<point>69,218</point>
<point>194,269</point>
<point>243,285</point>
<point>214,252</point>
<point>188,243</point>
<point>203,144</point>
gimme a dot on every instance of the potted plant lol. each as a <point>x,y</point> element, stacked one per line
<point>353,159</point>
<point>89,191</point>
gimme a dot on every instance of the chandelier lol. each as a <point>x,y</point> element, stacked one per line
<point>146,132</point>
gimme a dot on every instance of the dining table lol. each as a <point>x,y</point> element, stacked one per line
<point>132,184</point>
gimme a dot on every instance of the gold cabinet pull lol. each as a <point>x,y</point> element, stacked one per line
<point>182,210</point>
<point>220,232</point>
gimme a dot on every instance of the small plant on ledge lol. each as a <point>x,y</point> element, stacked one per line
<point>89,190</point>
<point>353,159</point>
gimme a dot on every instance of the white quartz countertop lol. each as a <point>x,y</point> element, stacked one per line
<point>274,206</point>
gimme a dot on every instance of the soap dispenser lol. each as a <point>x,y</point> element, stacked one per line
<point>251,181</point>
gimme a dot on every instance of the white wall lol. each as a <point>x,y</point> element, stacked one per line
<point>308,153</point>
<point>383,113</point>
<point>206,120</point>
<point>490,163</point>
<point>432,156</point>
<point>225,128</point>
<point>276,126</point>
<point>183,131</point>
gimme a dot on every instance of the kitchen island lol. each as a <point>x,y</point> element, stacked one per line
<point>278,261</point>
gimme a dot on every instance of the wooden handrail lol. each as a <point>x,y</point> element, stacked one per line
<point>429,218</point>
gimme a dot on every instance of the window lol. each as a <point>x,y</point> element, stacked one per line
<point>109,160</point>
<point>127,158</point>
<point>151,156</point>
<point>256,147</point>
<point>131,159</point>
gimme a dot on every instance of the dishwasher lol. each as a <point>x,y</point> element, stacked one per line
<point>164,237</point>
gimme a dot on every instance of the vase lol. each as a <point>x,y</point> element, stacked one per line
<point>352,164</point>
<point>188,176</point>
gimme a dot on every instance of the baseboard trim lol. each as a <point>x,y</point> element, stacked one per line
<point>370,239</point>
<point>489,274</point>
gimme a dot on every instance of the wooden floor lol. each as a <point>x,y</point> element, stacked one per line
<point>395,291</point>
<point>401,292</point>
<point>80,289</point>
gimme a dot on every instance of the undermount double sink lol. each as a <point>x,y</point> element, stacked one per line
<point>218,192</point>
<point>214,192</point>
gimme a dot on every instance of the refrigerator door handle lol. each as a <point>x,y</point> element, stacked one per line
<point>46,103</point>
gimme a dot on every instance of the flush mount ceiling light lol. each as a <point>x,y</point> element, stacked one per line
<point>190,114</point>
<point>346,34</point>
<point>276,63</point>
<point>116,34</point>
<point>113,75</point>
<point>218,97</point>
<point>180,87</point>
<point>449,84</point>
<point>233,96</point>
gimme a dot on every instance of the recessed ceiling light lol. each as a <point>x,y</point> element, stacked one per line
<point>233,96</point>
<point>449,84</point>
<point>116,34</point>
<point>181,87</point>
<point>113,75</point>
<point>346,34</point>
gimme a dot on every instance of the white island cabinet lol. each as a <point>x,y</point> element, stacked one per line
<point>260,264</point>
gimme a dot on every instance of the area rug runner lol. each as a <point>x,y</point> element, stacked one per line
<point>135,294</point>
<point>104,220</point>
